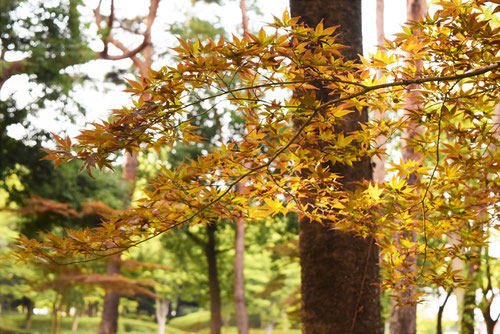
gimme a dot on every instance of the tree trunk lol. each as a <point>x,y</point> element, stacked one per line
<point>403,318</point>
<point>76,317</point>
<point>239,237</point>
<point>161,313</point>
<point>239,279</point>
<point>269,328</point>
<point>213,282</point>
<point>378,162</point>
<point>109,320</point>
<point>53,319</point>
<point>29,314</point>
<point>467,322</point>
<point>339,270</point>
<point>439,326</point>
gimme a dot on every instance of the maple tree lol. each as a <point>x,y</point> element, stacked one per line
<point>456,176</point>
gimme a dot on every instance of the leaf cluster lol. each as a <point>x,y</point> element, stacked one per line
<point>296,136</point>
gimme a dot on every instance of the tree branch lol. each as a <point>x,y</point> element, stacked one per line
<point>316,111</point>
<point>126,53</point>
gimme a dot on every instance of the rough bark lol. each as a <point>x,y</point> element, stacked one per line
<point>339,270</point>
<point>109,320</point>
<point>162,307</point>
<point>213,282</point>
<point>403,318</point>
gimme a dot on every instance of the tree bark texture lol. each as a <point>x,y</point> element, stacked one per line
<point>403,318</point>
<point>339,270</point>
<point>109,320</point>
<point>213,282</point>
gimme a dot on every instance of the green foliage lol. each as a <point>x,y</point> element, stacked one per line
<point>193,322</point>
<point>297,145</point>
<point>11,324</point>
<point>49,37</point>
<point>50,33</point>
<point>196,28</point>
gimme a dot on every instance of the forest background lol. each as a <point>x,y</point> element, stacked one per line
<point>271,271</point>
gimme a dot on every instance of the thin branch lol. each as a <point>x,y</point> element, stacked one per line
<point>126,53</point>
<point>285,147</point>
<point>424,196</point>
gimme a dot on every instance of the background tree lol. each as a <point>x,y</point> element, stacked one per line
<point>403,317</point>
<point>201,190</point>
<point>347,299</point>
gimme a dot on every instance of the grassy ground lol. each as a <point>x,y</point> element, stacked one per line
<point>191,323</point>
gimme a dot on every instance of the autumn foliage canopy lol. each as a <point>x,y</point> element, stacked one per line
<point>292,140</point>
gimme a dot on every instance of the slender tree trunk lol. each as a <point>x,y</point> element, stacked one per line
<point>161,313</point>
<point>76,317</point>
<point>403,318</point>
<point>269,328</point>
<point>439,326</point>
<point>239,279</point>
<point>339,270</point>
<point>490,326</point>
<point>59,315</point>
<point>239,237</point>
<point>213,282</point>
<point>467,323</point>
<point>53,319</point>
<point>29,314</point>
<point>109,320</point>
<point>378,162</point>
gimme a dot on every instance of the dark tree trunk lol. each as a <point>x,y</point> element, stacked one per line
<point>213,282</point>
<point>29,314</point>
<point>490,322</point>
<point>339,270</point>
<point>109,320</point>
<point>439,326</point>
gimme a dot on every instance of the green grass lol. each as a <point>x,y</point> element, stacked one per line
<point>193,322</point>
<point>197,322</point>
<point>13,324</point>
